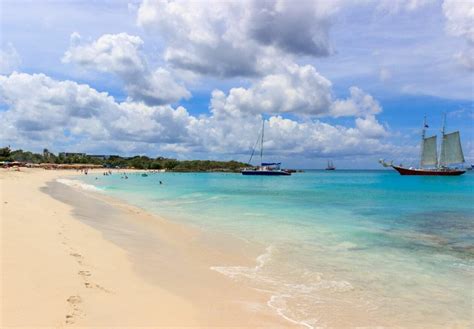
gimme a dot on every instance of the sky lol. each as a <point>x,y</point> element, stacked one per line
<point>341,80</point>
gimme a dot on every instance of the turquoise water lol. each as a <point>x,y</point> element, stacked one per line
<point>395,250</point>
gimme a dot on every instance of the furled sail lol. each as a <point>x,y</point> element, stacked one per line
<point>451,150</point>
<point>429,155</point>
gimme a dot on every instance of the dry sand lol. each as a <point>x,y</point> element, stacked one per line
<point>70,258</point>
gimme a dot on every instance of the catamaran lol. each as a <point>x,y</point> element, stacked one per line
<point>265,168</point>
<point>430,164</point>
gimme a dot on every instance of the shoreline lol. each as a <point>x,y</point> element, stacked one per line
<point>85,261</point>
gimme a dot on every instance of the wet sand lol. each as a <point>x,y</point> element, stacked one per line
<point>76,258</point>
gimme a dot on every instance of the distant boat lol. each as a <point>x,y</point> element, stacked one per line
<point>430,165</point>
<point>265,168</point>
<point>330,165</point>
<point>144,175</point>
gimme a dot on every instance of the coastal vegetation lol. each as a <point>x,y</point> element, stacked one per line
<point>116,161</point>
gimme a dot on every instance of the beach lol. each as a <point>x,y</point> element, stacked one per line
<point>223,250</point>
<point>68,262</point>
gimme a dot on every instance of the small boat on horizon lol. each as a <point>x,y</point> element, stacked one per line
<point>330,165</point>
<point>430,164</point>
<point>265,168</point>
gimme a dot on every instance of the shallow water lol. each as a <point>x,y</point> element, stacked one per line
<point>394,250</point>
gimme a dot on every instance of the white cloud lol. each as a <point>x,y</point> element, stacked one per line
<point>396,6</point>
<point>120,54</point>
<point>299,90</point>
<point>370,127</point>
<point>459,18</point>
<point>237,38</point>
<point>40,110</point>
<point>460,22</point>
<point>358,104</point>
<point>9,59</point>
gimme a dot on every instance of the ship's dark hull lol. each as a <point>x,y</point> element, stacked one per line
<point>265,173</point>
<point>428,172</point>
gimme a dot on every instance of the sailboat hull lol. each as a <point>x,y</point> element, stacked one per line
<point>428,172</point>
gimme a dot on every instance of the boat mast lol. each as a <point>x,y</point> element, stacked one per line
<point>423,131</point>
<point>443,148</point>
<point>261,142</point>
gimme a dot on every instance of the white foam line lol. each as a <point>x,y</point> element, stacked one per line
<point>233,271</point>
<point>283,315</point>
<point>78,184</point>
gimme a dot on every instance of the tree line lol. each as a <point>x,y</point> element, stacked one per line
<point>115,161</point>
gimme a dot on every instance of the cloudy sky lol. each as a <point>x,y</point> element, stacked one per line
<point>347,80</point>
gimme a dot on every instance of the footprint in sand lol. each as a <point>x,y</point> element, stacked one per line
<point>74,254</point>
<point>74,301</point>
<point>96,286</point>
<point>84,273</point>
<point>78,257</point>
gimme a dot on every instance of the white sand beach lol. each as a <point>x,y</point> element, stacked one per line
<point>62,266</point>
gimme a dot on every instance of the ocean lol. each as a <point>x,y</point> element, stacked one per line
<point>398,250</point>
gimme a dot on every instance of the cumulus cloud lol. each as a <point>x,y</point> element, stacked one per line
<point>120,54</point>
<point>358,104</point>
<point>41,106</point>
<point>40,109</point>
<point>237,38</point>
<point>370,127</point>
<point>301,90</point>
<point>459,22</point>
<point>9,59</point>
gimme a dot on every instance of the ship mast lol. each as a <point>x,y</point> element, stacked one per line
<point>443,148</point>
<point>261,142</point>
<point>423,131</point>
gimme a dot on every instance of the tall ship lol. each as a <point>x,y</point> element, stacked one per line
<point>265,168</point>
<point>430,164</point>
<point>330,165</point>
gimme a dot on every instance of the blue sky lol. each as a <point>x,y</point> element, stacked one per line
<point>343,80</point>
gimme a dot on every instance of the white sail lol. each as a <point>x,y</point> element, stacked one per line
<point>451,150</point>
<point>429,155</point>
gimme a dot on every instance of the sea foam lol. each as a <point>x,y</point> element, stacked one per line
<point>78,184</point>
<point>248,272</point>
<point>282,289</point>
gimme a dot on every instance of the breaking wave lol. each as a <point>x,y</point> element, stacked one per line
<point>285,290</point>
<point>78,184</point>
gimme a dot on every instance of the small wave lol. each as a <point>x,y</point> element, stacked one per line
<point>191,199</point>
<point>283,290</point>
<point>345,246</point>
<point>78,184</point>
<point>248,272</point>
<point>278,304</point>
